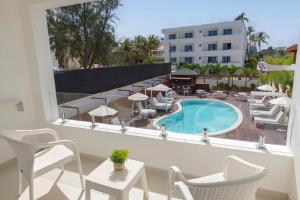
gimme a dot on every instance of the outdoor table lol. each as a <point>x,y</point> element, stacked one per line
<point>116,183</point>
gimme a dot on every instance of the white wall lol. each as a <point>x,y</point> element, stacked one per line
<point>295,123</point>
<point>14,76</point>
<point>197,159</point>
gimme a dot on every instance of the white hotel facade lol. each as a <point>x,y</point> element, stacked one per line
<point>224,43</point>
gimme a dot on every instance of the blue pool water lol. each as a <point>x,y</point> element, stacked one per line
<point>198,114</point>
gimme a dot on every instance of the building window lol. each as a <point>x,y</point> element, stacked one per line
<point>212,47</point>
<point>172,36</point>
<point>226,59</point>
<point>188,35</point>
<point>172,49</point>
<point>227,31</point>
<point>212,59</point>
<point>173,60</point>
<point>188,48</point>
<point>213,32</point>
<point>226,46</point>
<point>188,60</point>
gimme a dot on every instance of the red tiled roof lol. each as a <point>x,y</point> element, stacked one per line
<point>292,48</point>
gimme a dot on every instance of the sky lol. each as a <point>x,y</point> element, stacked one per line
<point>280,19</point>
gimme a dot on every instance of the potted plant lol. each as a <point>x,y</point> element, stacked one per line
<point>118,157</point>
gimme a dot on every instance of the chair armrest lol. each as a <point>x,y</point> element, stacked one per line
<point>68,143</point>
<point>174,172</point>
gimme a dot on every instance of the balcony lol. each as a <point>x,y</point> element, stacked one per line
<point>66,185</point>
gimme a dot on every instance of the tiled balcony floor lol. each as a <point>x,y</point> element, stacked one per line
<point>62,186</point>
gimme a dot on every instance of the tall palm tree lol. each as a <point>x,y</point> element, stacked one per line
<point>203,70</point>
<point>153,42</point>
<point>261,38</point>
<point>140,48</point>
<point>231,71</point>
<point>250,35</point>
<point>242,17</point>
<point>217,69</point>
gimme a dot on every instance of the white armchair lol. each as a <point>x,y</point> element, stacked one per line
<point>238,180</point>
<point>39,151</point>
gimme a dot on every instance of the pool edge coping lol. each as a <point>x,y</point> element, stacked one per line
<point>178,103</point>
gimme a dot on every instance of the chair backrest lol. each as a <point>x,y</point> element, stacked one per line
<point>154,100</point>
<point>275,109</point>
<point>25,144</point>
<point>241,182</point>
<point>139,105</point>
<point>159,97</point>
<point>279,116</point>
<point>116,121</point>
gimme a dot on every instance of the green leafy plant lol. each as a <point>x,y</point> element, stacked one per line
<point>119,155</point>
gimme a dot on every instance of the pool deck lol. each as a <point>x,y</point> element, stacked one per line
<point>247,131</point>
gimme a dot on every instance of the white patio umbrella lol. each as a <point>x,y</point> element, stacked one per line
<point>138,97</point>
<point>267,87</point>
<point>281,101</point>
<point>103,111</point>
<point>162,87</point>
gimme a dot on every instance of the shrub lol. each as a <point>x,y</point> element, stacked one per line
<point>251,63</point>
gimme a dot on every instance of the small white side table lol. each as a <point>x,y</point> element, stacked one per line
<point>116,183</point>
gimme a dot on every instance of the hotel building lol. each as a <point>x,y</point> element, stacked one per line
<point>224,43</point>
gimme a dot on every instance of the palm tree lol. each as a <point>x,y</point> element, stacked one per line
<point>231,71</point>
<point>140,48</point>
<point>153,42</point>
<point>242,17</point>
<point>246,72</point>
<point>261,38</point>
<point>203,70</point>
<point>217,69</point>
<point>250,34</point>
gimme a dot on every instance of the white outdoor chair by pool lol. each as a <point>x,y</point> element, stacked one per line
<point>238,181</point>
<point>266,113</point>
<point>39,151</point>
<point>259,101</point>
<point>268,120</point>
<point>145,112</point>
<point>155,104</point>
<point>163,99</point>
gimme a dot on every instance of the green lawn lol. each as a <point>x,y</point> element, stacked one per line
<point>279,60</point>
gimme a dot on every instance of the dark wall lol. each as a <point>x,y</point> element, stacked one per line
<point>98,80</point>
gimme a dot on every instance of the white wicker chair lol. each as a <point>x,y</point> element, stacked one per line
<point>39,151</point>
<point>238,181</point>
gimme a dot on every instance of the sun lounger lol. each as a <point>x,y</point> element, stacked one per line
<point>163,99</point>
<point>155,104</point>
<point>145,113</point>
<point>258,106</point>
<point>268,120</point>
<point>262,113</point>
<point>220,95</point>
<point>259,101</point>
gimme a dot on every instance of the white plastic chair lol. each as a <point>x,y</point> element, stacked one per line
<point>39,151</point>
<point>238,180</point>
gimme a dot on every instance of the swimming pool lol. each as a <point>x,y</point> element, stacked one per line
<point>195,114</point>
